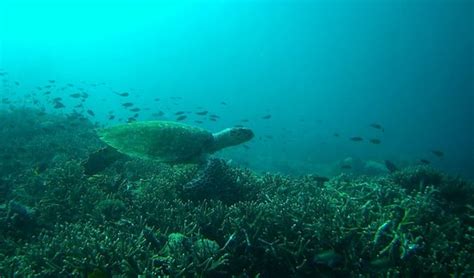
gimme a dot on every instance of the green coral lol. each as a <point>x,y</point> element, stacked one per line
<point>137,218</point>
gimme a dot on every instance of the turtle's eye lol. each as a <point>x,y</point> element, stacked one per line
<point>242,133</point>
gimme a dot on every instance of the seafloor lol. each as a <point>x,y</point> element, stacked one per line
<point>61,217</point>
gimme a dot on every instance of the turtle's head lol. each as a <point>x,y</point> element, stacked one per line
<point>231,137</point>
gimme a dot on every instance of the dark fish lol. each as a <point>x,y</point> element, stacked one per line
<point>319,179</point>
<point>377,126</point>
<point>214,116</point>
<point>58,105</point>
<point>202,113</point>
<point>135,115</point>
<point>75,95</point>
<point>391,167</point>
<point>438,153</point>
<point>244,120</point>
<point>375,141</point>
<point>266,117</point>
<point>346,166</point>
<point>336,134</point>
<point>90,112</point>
<point>17,83</point>
<point>111,117</point>
<point>136,109</point>
<point>79,105</point>
<point>123,94</point>
<point>51,81</point>
<point>213,119</point>
<point>127,104</point>
<point>223,103</point>
<point>238,125</point>
<point>425,161</point>
<point>158,114</point>
<point>57,99</point>
<point>246,147</point>
<point>179,113</point>
<point>268,136</point>
<point>131,120</point>
<point>157,99</point>
<point>46,93</point>
<point>356,139</point>
<point>48,86</point>
<point>198,121</point>
<point>70,85</point>
<point>85,95</point>
<point>181,118</point>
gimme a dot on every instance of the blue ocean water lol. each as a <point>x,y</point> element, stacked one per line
<point>306,76</point>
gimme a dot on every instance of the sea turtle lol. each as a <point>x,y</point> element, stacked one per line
<point>170,142</point>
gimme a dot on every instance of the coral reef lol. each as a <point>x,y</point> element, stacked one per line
<point>138,217</point>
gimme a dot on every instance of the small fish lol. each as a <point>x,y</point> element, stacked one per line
<point>123,94</point>
<point>214,116</point>
<point>238,125</point>
<point>336,135</point>
<point>136,109</point>
<point>85,95</point>
<point>79,105</point>
<point>131,120</point>
<point>70,85</point>
<point>319,179</point>
<point>244,120</point>
<point>127,104</point>
<point>246,147</point>
<point>391,167</point>
<point>158,114</point>
<point>202,113</point>
<point>48,86</point>
<point>425,161</point>
<point>111,117</point>
<point>51,81</point>
<point>438,153</point>
<point>198,121</point>
<point>90,112</point>
<point>356,139</point>
<point>17,83</point>
<point>157,99</point>
<point>345,166</point>
<point>179,113</point>
<point>223,103</point>
<point>375,141</point>
<point>47,93</point>
<point>266,117</point>
<point>75,95</point>
<point>377,126</point>
<point>58,105</point>
<point>213,119</point>
<point>268,136</point>
<point>57,99</point>
<point>181,118</point>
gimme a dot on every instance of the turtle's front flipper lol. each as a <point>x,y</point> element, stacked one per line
<point>100,160</point>
<point>215,180</point>
<point>207,175</point>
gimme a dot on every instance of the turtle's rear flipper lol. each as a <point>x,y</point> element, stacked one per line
<point>100,160</point>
